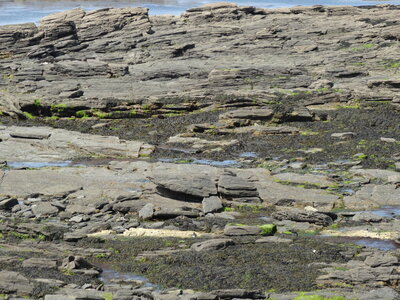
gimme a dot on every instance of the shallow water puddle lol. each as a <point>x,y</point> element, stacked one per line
<point>384,245</point>
<point>37,165</point>
<point>248,155</point>
<point>109,275</point>
<point>386,211</point>
<point>214,163</point>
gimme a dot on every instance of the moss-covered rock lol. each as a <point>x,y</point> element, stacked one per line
<point>268,229</point>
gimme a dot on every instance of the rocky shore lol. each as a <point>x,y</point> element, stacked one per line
<point>229,153</point>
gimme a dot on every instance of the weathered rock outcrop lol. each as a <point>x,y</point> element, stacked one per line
<point>252,55</point>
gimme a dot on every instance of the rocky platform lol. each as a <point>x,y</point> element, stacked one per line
<point>229,153</point>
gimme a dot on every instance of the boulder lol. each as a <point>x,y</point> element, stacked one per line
<point>76,263</point>
<point>304,216</point>
<point>8,204</point>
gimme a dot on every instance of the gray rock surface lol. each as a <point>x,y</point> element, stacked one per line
<point>212,204</point>
<point>147,212</point>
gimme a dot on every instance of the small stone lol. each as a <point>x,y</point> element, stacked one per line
<point>388,140</point>
<point>297,165</point>
<point>100,125</point>
<point>79,219</point>
<point>310,208</point>
<point>343,135</point>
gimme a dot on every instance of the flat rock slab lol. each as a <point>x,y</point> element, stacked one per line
<point>13,282</point>
<point>40,263</point>
<point>214,244</point>
<point>88,184</point>
<point>373,195</point>
<point>248,113</point>
<point>30,135</point>
<point>384,175</point>
<point>367,217</point>
<point>234,230</point>
<point>285,195</point>
<point>47,144</point>
<point>317,180</point>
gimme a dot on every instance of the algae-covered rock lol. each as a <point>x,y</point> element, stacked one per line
<point>268,229</point>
